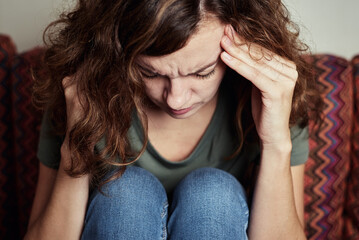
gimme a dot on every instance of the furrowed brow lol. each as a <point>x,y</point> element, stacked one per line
<point>144,66</point>
<point>147,68</point>
<point>205,67</point>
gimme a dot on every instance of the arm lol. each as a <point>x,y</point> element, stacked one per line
<point>277,208</point>
<point>45,185</point>
<point>298,186</point>
<point>276,211</point>
<point>60,203</point>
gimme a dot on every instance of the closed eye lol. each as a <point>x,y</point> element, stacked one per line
<point>201,76</point>
<point>149,75</point>
<point>205,76</point>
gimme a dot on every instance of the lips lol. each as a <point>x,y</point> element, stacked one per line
<point>180,111</point>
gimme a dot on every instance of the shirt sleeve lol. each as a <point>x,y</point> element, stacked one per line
<point>300,145</point>
<point>49,145</point>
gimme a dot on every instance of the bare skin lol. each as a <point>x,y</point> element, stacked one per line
<point>60,201</point>
<point>184,104</point>
<point>276,209</point>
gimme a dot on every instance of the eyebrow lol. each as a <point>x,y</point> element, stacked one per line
<point>150,69</point>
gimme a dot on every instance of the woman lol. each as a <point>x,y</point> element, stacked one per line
<point>186,94</point>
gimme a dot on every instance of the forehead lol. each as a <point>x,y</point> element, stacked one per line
<point>202,48</point>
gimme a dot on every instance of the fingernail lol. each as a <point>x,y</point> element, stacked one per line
<point>228,28</point>
<point>231,29</point>
<point>232,32</point>
<point>227,40</point>
<point>227,56</point>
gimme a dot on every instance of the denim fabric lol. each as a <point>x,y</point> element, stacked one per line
<point>207,204</point>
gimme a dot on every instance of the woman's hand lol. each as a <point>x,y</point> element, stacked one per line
<point>74,111</point>
<point>273,79</point>
<point>60,203</point>
<point>74,103</point>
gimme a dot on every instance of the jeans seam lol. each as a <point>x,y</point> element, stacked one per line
<point>164,222</point>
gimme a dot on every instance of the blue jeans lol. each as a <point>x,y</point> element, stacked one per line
<point>207,204</point>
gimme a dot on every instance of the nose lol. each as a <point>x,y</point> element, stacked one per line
<point>177,93</point>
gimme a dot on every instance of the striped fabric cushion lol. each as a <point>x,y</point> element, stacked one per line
<point>328,165</point>
<point>351,211</point>
<point>26,122</point>
<point>19,129</point>
<point>8,207</point>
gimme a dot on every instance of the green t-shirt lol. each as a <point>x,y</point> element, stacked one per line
<point>213,150</point>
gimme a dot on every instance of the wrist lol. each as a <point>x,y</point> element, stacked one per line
<point>276,155</point>
<point>280,147</point>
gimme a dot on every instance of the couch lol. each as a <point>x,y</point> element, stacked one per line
<point>332,170</point>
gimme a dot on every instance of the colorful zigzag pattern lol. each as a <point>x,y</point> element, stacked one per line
<point>328,166</point>
<point>351,209</point>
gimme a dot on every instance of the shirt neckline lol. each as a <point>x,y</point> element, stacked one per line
<point>207,136</point>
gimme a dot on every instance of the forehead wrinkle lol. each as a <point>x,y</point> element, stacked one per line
<point>173,70</point>
<point>162,69</point>
<point>202,49</point>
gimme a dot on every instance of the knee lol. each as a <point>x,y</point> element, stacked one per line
<point>212,188</point>
<point>212,198</point>
<point>135,180</point>
<point>136,188</point>
<point>137,196</point>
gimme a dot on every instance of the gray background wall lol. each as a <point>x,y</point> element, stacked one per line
<point>328,26</point>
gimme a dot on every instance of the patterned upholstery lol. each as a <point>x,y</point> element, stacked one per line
<point>8,208</point>
<point>26,128</point>
<point>351,210</point>
<point>329,162</point>
<point>19,127</point>
<point>331,180</point>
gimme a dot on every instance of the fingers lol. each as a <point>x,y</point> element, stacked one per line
<point>269,65</point>
<point>255,50</point>
<point>255,62</point>
<point>70,89</point>
<point>259,79</point>
<point>66,82</point>
<point>74,107</point>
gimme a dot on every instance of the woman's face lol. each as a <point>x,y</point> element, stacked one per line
<point>187,80</point>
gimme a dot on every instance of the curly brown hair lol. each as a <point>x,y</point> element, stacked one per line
<point>99,41</point>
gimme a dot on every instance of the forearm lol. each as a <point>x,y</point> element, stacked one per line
<point>273,213</point>
<point>63,217</point>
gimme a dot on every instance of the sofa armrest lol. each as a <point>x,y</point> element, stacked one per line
<point>351,210</point>
<point>329,161</point>
<point>19,129</point>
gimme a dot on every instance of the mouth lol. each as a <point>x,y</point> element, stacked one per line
<point>180,111</point>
